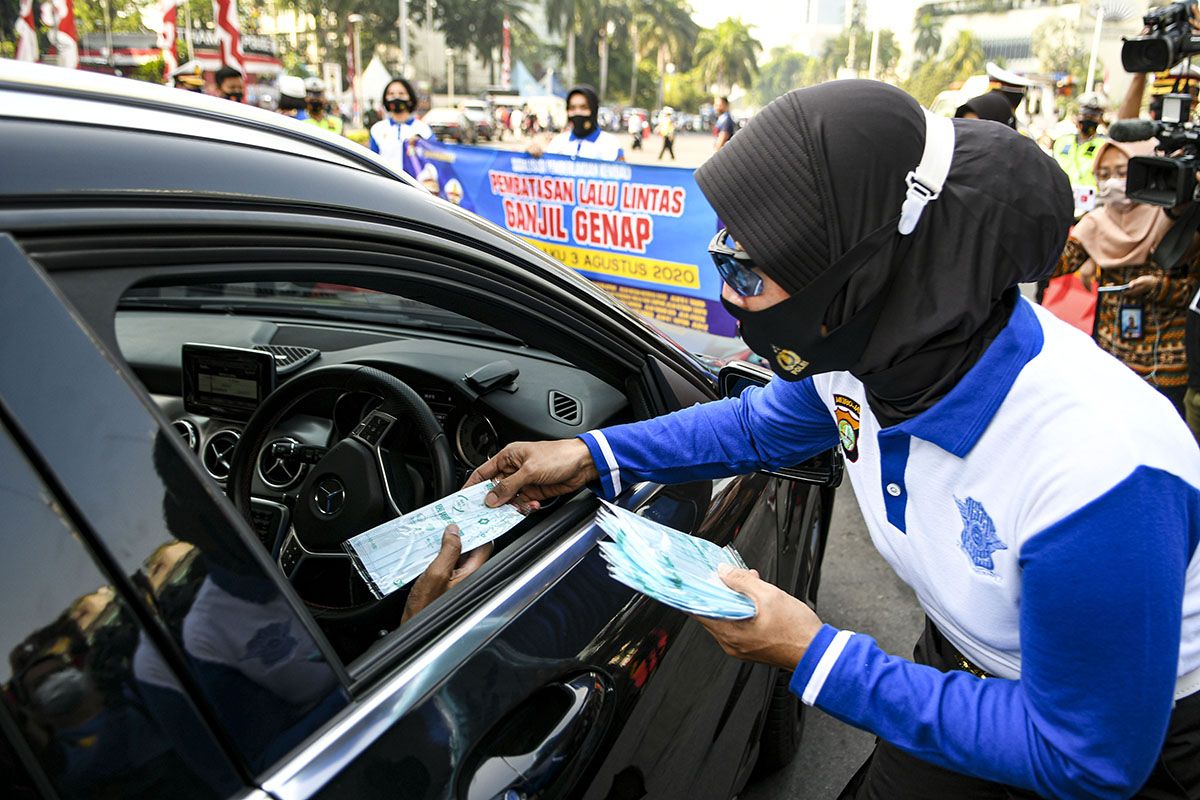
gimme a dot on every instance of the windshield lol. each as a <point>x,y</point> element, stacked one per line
<point>325,300</point>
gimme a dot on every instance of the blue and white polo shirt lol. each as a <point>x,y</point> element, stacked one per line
<point>389,138</point>
<point>1046,512</point>
<point>598,144</point>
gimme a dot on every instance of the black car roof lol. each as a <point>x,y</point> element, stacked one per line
<point>79,135</point>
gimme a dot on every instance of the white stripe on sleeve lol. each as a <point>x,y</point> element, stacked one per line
<point>610,460</point>
<point>825,666</point>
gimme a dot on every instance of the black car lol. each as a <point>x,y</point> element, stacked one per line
<point>230,342</point>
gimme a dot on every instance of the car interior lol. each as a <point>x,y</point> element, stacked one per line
<point>275,385</point>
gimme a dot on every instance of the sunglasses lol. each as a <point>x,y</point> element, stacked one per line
<point>735,266</point>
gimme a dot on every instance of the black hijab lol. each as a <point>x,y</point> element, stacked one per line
<point>820,168</point>
<point>993,106</point>
<point>593,101</point>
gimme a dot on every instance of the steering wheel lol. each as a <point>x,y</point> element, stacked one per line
<point>350,487</point>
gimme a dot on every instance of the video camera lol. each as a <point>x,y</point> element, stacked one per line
<point>1171,39</point>
<point>1168,180</point>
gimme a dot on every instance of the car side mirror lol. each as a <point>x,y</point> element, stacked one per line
<point>823,469</point>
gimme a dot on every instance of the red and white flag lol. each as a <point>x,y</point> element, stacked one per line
<point>26,28</point>
<point>506,57</point>
<point>59,16</point>
<point>229,33</point>
<point>167,36</point>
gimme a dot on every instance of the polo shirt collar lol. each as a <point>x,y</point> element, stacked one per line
<point>957,421</point>
<point>591,137</point>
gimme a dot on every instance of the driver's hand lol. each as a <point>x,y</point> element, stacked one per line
<point>448,569</point>
<point>533,471</point>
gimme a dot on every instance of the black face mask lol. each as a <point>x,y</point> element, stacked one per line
<point>788,334</point>
<point>234,96</point>
<point>398,105</point>
<point>1088,126</point>
<point>315,106</point>
<point>581,126</point>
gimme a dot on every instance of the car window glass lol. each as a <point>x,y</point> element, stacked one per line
<point>327,300</point>
<point>84,687</point>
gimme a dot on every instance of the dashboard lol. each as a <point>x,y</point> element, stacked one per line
<point>208,372</point>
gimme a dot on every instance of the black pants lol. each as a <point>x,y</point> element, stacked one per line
<point>668,147</point>
<point>891,774</point>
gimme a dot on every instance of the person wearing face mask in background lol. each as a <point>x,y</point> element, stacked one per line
<point>583,137</point>
<point>230,84</point>
<point>1076,152</point>
<point>394,135</point>
<point>1142,324</point>
<point>1058,569</point>
<point>317,108</point>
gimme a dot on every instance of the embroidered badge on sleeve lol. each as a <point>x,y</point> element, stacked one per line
<point>979,539</point>
<point>848,414</point>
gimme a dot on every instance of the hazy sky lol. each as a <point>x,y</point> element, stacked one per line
<point>776,21</point>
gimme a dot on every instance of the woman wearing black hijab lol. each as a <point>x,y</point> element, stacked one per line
<point>992,106</point>
<point>873,260</point>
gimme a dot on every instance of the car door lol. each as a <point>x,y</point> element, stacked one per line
<point>526,687</point>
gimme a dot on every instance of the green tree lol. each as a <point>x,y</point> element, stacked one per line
<point>727,54</point>
<point>478,26</point>
<point>666,29</point>
<point>962,58</point>
<point>786,69</point>
<point>834,54</point>
<point>566,18</point>
<point>928,29</point>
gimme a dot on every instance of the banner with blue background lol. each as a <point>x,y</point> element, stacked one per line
<point>639,232</point>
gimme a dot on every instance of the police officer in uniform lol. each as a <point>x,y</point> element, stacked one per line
<point>1059,570</point>
<point>1076,152</point>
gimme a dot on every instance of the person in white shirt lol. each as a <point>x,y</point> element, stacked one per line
<point>393,136</point>
<point>1059,569</point>
<point>583,137</point>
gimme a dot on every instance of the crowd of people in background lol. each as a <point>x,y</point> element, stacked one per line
<point>1146,274</point>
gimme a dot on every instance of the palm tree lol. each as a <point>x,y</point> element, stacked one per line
<point>565,17</point>
<point>928,29</point>
<point>664,27</point>
<point>964,56</point>
<point>479,25</point>
<point>728,54</point>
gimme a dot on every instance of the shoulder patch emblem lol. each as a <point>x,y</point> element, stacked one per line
<point>848,414</point>
<point>979,539</point>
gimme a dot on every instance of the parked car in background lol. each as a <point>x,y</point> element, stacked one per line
<point>482,118</point>
<point>451,125</point>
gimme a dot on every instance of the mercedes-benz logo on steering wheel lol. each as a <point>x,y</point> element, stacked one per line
<point>329,496</point>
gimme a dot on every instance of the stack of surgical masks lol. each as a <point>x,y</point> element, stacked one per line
<point>391,555</point>
<point>672,567</point>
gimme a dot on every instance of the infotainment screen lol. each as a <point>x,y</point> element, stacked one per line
<point>226,382</point>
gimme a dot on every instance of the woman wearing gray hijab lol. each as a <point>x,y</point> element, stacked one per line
<point>873,260</point>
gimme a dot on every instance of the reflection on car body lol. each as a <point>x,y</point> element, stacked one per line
<point>143,600</point>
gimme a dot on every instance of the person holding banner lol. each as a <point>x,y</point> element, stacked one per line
<point>583,137</point>
<point>1059,569</point>
<point>393,136</point>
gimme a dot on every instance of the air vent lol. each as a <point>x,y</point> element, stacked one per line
<point>279,472</point>
<point>218,453</point>
<point>188,432</point>
<point>288,358</point>
<point>564,408</point>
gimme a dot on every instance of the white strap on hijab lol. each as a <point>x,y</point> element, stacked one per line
<point>926,181</point>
